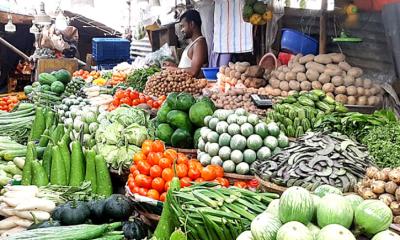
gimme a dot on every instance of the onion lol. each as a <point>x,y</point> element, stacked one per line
<point>381,175</point>
<point>378,186</point>
<point>394,176</point>
<point>366,182</point>
<point>390,187</point>
<point>395,207</point>
<point>387,198</point>
<point>371,171</point>
<point>397,194</point>
<point>367,193</point>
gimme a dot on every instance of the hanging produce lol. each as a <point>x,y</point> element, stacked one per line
<point>256,12</point>
<point>298,113</point>
<point>168,81</point>
<point>317,159</point>
<point>236,139</point>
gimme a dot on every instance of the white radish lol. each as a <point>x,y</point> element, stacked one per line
<point>36,204</point>
<point>14,201</point>
<point>12,231</point>
<point>34,189</point>
<point>9,222</point>
<point>19,194</point>
<point>32,215</point>
<point>24,222</point>
<point>6,211</point>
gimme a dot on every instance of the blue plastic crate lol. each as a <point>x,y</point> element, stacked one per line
<point>110,49</point>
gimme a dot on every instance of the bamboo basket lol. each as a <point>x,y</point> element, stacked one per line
<point>266,186</point>
<point>233,177</point>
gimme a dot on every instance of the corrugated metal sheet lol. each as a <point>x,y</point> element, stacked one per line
<point>372,55</point>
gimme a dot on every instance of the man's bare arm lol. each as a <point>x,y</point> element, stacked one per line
<point>199,57</point>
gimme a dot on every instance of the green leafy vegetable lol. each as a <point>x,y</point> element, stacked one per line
<point>137,80</point>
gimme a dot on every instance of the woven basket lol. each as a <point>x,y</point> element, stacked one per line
<point>233,177</point>
<point>145,206</point>
<point>190,153</point>
<point>266,186</point>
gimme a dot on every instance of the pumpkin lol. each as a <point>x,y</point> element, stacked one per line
<point>134,229</point>
<point>118,207</point>
<point>97,211</point>
<point>74,213</point>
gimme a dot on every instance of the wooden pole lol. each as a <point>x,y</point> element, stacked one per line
<point>322,27</point>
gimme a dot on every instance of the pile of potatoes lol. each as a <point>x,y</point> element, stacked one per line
<point>234,98</point>
<point>168,81</point>
<point>241,73</point>
<point>329,72</point>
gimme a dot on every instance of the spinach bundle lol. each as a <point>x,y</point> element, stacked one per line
<point>137,80</point>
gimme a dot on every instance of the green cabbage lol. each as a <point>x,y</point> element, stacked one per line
<point>129,115</point>
<point>136,134</point>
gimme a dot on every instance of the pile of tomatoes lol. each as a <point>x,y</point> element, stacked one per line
<point>81,73</point>
<point>8,103</point>
<point>134,98</point>
<point>152,171</point>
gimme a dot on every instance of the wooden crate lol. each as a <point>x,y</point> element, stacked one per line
<point>49,65</point>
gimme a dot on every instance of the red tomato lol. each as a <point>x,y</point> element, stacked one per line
<point>142,100</point>
<point>167,174</point>
<point>126,100</point>
<point>158,146</point>
<point>185,182</point>
<point>155,171</point>
<point>156,104</point>
<point>116,102</point>
<point>163,196</point>
<point>134,95</point>
<point>223,181</point>
<point>199,180</point>
<point>135,102</point>
<point>143,191</point>
<point>181,170</point>
<point>158,184</point>
<point>152,193</point>
<point>253,183</point>
<point>166,186</point>
<point>119,94</point>
<point>208,173</point>
<point>144,167</point>
<point>150,102</point>
<point>147,98</point>
<point>194,173</point>
<point>133,168</point>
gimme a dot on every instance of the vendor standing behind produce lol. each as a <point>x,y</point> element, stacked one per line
<point>195,55</point>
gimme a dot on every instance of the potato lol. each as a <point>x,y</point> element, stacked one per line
<point>274,82</point>
<point>333,66</point>
<point>232,73</point>
<point>281,76</point>
<point>351,100</point>
<point>290,64</point>
<point>340,90</point>
<point>373,100</point>
<point>294,85</point>
<point>284,93</point>
<point>362,101</point>
<point>276,92</point>
<point>341,98</point>
<point>305,86</point>
<point>367,92</point>
<point>355,72</point>
<point>301,77</point>
<point>240,68</point>
<point>312,75</point>
<point>367,83</point>
<point>375,89</point>
<point>297,58</point>
<point>290,76</point>
<point>243,77</point>
<point>280,68</point>
<point>298,68</point>
<point>275,73</point>
<point>284,86</point>
<point>328,87</point>
<point>227,71</point>
<point>323,59</point>
<point>285,69</point>
<point>306,59</point>
<point>337,57</point>
<point>316,66</point>
<point>333,72</point>
<point>237,75</point>
<point>348,81</point>
<point>231,65</point>
<point>344,66</point>
<point>337,81</point>
<point>360,91</point>
<point>316,85</point>
<point>324,78</point>
<point>359,82</point>
<point>351,91</point>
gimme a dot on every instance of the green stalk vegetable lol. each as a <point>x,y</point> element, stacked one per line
<point>58,175</point>
<point>103,178</point>
<point>66,157</point>
<point>27,171</point>
<point>46,161</point>
<point>38,125</point>
<point>39,176</point>
<point>91,169</point>
<point>77,172</point>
